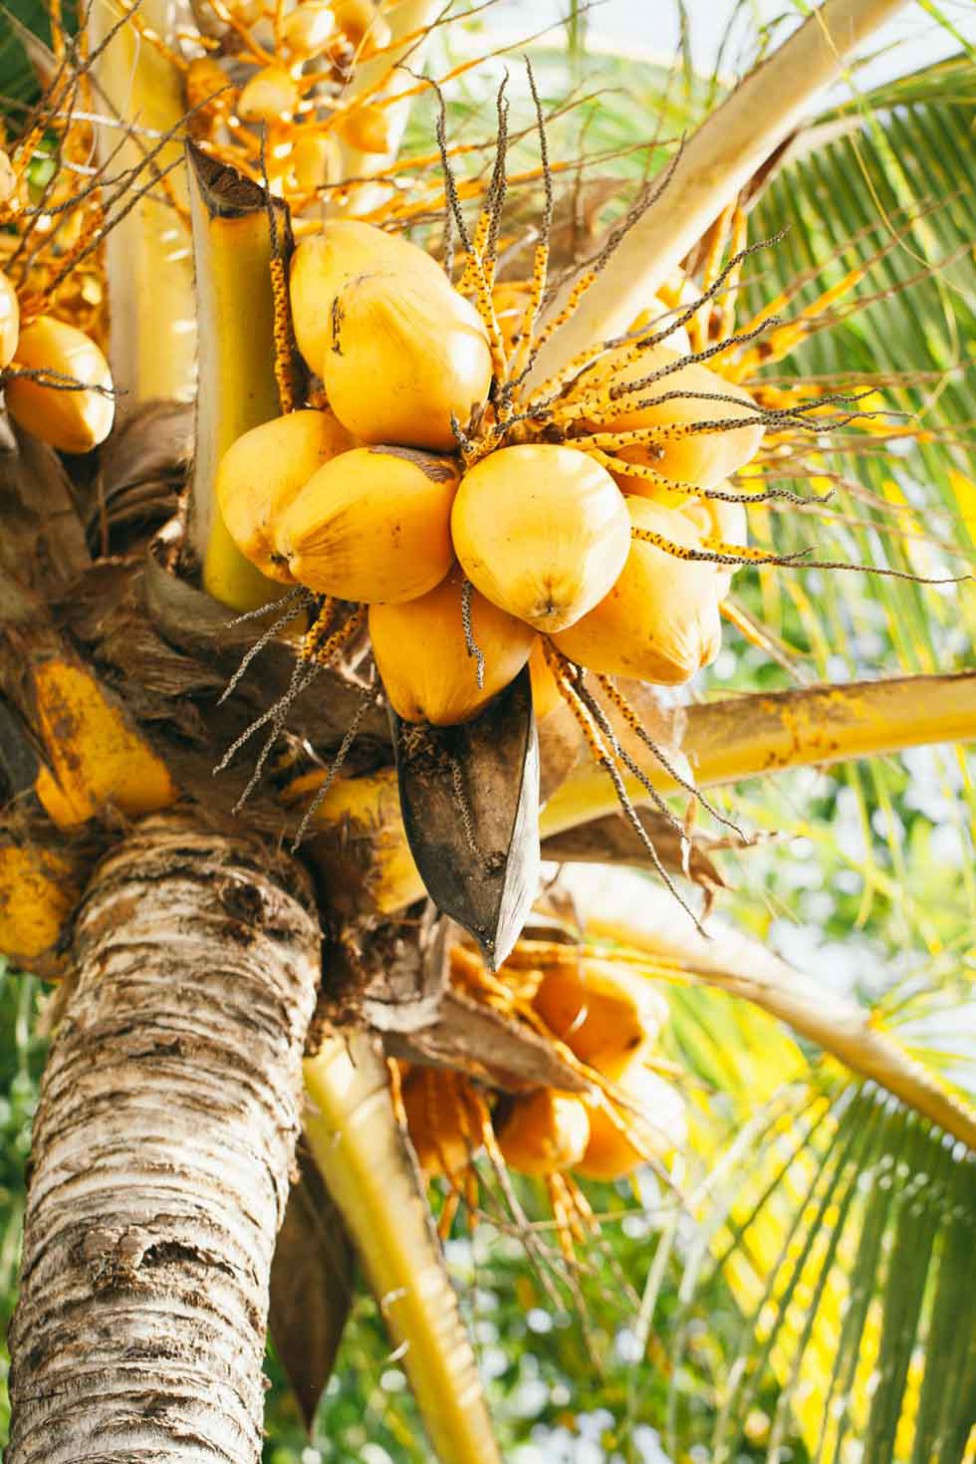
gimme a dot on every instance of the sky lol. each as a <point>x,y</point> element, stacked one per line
<point>653,26</point>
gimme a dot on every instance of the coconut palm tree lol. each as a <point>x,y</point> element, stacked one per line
<point>356,909</point>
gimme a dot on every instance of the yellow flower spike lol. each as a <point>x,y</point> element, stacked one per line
<point>262,474</point>
<point>9,320</point>
<point>541,531</point>
<point>428,671</point>
<point>406,361</point>
<point>53,407</point>
<point>271,95</point>
<point>544,1132</point>
<point>660,620</point>
<point>372,525</point>
<point>323,264</point>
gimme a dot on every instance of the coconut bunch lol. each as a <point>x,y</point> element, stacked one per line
<point>477,544</point>
<point>605,1020</point>
<point>282,72</point>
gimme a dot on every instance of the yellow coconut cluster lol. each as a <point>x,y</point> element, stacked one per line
<point>609,1020</point>
<point>56,382</point>
<point>467,557</point>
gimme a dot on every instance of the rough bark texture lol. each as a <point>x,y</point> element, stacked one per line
<point>162,1150</point>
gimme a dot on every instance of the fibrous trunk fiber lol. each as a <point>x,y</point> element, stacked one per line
<point>162,1149</point>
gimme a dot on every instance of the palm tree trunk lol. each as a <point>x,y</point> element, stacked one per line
<point>162,1149</point>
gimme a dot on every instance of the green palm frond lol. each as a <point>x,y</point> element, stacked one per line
<point>844,1224</point>
<point>892,196</point>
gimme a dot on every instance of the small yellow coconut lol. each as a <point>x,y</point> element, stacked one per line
<point>660,621</point>
<point>405,360</point>
<point>422,656</point>
<point>542,531</point>
<point>262,473</point>
<point>368,127</point>
<point>604,1014</point>
<point>70,419</point>
<point>443,1120</point>
<point>544,1132</point>
<point>308,30</point>
<point>9,321</point>
<point>315,161</point>
<point>686,396</point>
<point>271,95</point>
<point>362,23</point>
<point>658,1125</point>
<point>373,524</point>
<point>323,264</point>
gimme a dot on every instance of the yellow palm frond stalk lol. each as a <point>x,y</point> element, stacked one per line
<point>352,1131</point>
<point>149,259</point>
<point>715,163</point>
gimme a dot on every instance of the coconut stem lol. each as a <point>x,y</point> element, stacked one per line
<point>717,161</point>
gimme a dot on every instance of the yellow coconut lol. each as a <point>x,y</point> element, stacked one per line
<point>262,473</point>
<point>604,1014</point>
<point>69,419</point>
<point>660,621</point>
<point>9,321</point>
<point>442,1119</point>
<point>546,696</point>
<point>308,30</point>
<point>271,95</point>
<point>656,1121</point>
<point>368,127</point>
<point>542,531</point>
<point>406,359</point>
<point>544,1132</point>
<point>422,656</point>
<point>373,524</point>
<point>323,264</point>
<point>686,396</point>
